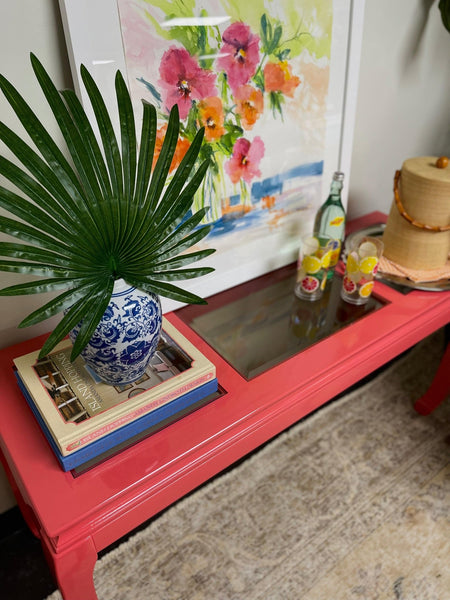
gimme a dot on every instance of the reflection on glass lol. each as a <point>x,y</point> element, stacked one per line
<point>261,323</point>
<point>195,21</point>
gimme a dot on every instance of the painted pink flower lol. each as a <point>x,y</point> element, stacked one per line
<point>183,80</point>
<point>244,162</point>
<point>240,54</point>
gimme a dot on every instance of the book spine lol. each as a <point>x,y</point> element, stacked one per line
<point>137,413</point>
<point>150,422</point>
<point>115,409</point>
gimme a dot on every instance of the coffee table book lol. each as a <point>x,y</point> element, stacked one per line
<point>100,450</point>
<point>82,417</point>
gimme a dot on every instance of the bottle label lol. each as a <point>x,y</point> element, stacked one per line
<point>337,221</point>
<point>335,253</point>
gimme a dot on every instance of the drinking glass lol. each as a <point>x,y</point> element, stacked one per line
<point>314,264</point>
<point>362,264</point>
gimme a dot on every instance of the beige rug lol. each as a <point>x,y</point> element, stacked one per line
<point>351,504</point>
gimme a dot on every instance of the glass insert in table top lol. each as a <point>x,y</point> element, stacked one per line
<point>258,324</point>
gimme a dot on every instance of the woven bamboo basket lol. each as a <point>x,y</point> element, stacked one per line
<point>417,234</point>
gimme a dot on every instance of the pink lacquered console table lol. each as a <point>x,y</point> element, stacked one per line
<point>75,518</point>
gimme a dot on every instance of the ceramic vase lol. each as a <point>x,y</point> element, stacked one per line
<point>126,337</point>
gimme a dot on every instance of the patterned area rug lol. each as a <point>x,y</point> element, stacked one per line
<point>350,504</point>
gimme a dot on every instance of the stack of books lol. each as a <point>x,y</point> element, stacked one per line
<point>86,421</point>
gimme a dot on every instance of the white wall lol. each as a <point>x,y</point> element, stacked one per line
<point>26,26</point>
<point>402,110</point>
<point>403,107</point>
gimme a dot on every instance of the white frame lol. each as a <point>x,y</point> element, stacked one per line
<point>93,36</point>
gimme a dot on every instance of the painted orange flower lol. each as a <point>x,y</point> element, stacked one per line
<point>278,78</point>
<point>180,150</point>
<point>249,105</point>
<point>211,116</point>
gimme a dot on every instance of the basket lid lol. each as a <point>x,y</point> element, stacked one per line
<point>426,169</point>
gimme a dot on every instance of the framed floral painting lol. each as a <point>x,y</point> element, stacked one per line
<point>274,84</point>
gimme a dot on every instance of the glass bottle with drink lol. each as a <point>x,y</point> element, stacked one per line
<point>330,218</point>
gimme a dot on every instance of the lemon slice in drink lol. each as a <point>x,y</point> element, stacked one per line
<point>352,263</point>
<point>326,259</point>
<point>310,245</point>
<point>368,264</point>
<point>311,264</point>
<point>366,289</point>
<point>367,249</point>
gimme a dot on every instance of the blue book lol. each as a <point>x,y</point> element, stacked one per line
<point>100,450</point>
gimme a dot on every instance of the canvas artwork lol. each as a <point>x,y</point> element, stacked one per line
<point>255,74</point>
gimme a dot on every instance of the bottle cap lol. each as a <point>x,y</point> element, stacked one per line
<point>338,176</point>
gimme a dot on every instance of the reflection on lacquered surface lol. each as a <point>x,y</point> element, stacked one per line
<point>258,324</point>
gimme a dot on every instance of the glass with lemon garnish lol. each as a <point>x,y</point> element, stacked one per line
<point>362,264</point>
<point>314,264</point>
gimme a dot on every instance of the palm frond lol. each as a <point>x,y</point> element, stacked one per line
<point>173,292</point>
<point>178,274</point>
<point>109,140</point>
<point>81,122</point>
<point>85,173</point>
<point>64,301</point>
<point>93,300</point>
<point>93,308</point>
<point>102,214</point>
<point>180,261</point>
<point>52,154</point>
<point>57,197</point>
<point>40,287</point>
<point>163,163</point>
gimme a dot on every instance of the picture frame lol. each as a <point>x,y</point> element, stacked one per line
<point>94,37</point>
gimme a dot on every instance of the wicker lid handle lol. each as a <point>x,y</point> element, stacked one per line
<point>405,215</point>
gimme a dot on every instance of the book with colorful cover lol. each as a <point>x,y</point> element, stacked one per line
<point>77,409</point>
<point>118,440</point>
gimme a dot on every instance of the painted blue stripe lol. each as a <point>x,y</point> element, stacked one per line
<point>274,185</point>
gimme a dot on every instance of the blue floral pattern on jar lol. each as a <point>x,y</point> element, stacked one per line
<point>126,337</point>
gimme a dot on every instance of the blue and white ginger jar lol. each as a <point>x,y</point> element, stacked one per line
<point>126,337</point>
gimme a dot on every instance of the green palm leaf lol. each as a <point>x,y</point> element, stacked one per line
<point>64,301</point>
<point>39,287</point>
<point>178,274</point>
<point>43,141</point>
<point>102,214</point>
<point>163,163</point>
<point>180,261</point>
<point>165,289</point>
<point>93,299</point>
<point>56,198</point>
<point>162,225</point>
<point>109,141</point>
<point>91,146</point>
<point>74,141</point>
<point>93,308</point>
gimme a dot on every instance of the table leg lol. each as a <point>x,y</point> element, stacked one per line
<point>74,569</point>
<point>439,388</point>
